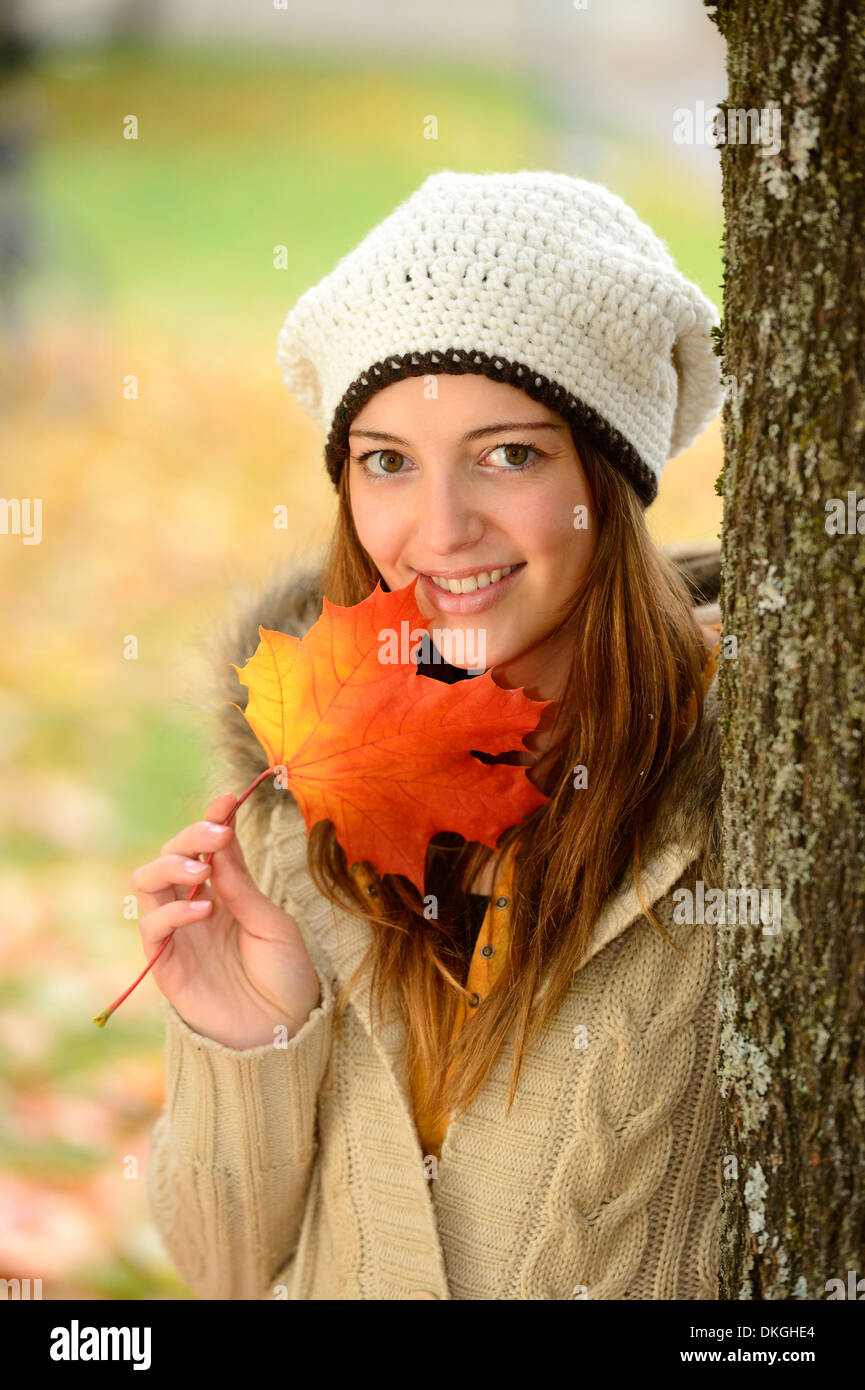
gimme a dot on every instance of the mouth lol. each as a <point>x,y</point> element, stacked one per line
<point>469,581</point>
<point>469,590</point>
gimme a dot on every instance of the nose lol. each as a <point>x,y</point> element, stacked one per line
<point>447,518</point>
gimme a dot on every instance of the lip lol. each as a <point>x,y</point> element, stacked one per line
<point>467,603</point>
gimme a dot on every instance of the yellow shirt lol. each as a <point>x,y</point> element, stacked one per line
<point>487,963</point>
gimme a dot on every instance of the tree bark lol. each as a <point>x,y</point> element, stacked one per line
<point>792,684</point>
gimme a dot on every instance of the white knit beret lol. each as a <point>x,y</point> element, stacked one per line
<point>539,279</point>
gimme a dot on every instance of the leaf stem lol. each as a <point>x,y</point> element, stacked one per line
<point>101,1019</point>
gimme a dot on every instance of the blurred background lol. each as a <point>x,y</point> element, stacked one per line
<point>140,401</point>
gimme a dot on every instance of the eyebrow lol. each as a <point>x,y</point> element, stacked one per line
<point>472,434</point>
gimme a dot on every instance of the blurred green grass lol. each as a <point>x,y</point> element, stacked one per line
<point>238,154</point>
<point>239,151</point>
<point>155,257</point>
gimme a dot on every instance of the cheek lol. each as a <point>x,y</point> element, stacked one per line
<point>377,527</point>
<point>554,535</point>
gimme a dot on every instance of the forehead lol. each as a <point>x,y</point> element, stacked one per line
<point>446,405</point>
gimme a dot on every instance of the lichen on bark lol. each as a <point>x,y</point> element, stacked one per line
<point>792,1060</point>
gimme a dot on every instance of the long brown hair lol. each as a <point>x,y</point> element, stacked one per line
<point>637,659</point>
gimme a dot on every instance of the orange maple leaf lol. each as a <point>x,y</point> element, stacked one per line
<point>379,749</point>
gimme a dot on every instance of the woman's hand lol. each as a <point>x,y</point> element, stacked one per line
<point>237,966</point>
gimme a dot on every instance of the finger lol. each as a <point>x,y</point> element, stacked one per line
<point>210,831</point>
<point>149,902</point>
<point>160,874</point>
<point>202,837</point>
<point>162,921</point>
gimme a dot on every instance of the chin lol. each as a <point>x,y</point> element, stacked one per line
<point>466,648</point>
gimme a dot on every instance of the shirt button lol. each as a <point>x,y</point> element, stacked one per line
<point>487,950</point>
<point>502,902</point>
<point>474,1000</point>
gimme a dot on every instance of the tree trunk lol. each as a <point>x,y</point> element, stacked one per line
<point>792,1071</point>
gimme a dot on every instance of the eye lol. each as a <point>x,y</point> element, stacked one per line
<point>514,457</point>
<point>390,462</point>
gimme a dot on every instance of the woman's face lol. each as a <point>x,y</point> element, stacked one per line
<point>458,479</point>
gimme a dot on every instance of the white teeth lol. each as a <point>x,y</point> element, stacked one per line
<point>471,581</point>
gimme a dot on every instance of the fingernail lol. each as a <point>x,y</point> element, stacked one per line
<point>213,829</point>
<point>199,906</point>
<point>192,866</point>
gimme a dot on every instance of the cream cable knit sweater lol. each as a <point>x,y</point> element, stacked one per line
<point>298,1173</point>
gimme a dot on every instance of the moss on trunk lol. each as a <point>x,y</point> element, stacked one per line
<point>792,1069</point>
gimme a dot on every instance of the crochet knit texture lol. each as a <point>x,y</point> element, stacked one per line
<point>297,1172</point>
<point>548,282</point>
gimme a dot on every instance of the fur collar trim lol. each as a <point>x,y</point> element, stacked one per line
<point>687,816</point>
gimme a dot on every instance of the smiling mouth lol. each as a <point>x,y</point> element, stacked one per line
<point>469,583</point>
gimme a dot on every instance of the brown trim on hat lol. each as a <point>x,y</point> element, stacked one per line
<point>458,362</point>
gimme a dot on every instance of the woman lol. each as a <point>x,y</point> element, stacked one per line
<point>505,1089</point>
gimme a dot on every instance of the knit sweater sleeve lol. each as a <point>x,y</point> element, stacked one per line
<point>233,1151</point>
